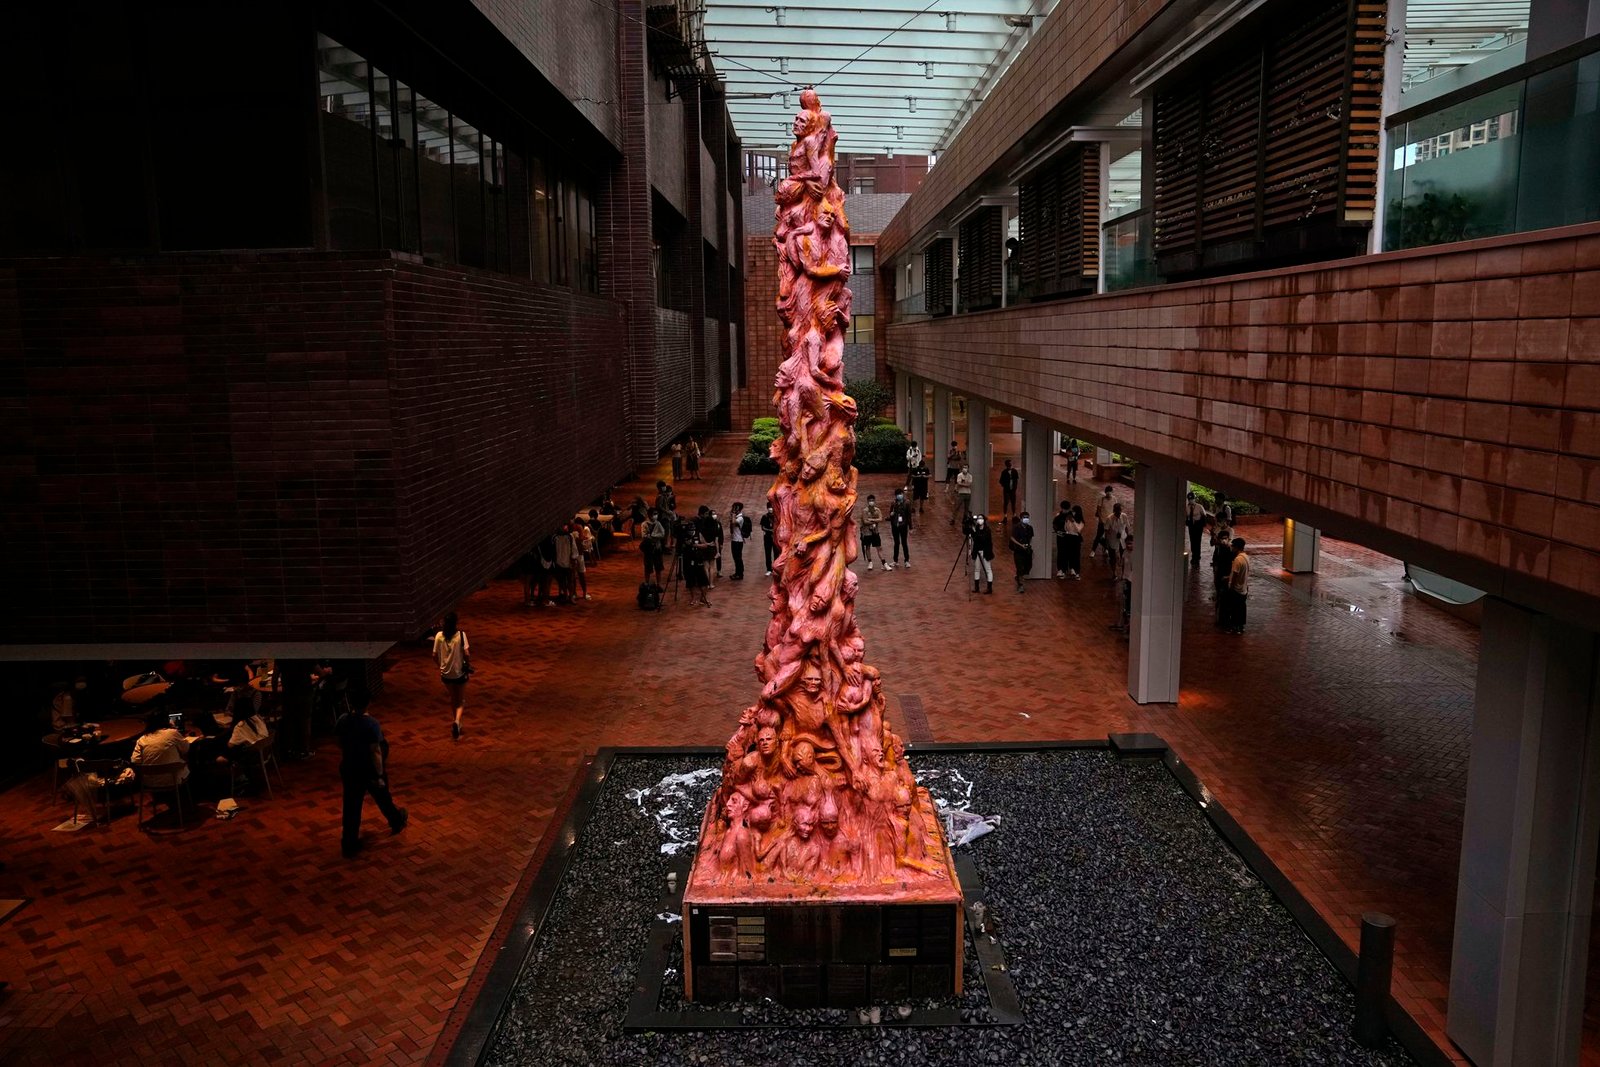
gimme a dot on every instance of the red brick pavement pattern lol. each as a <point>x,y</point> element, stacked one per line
<point>1335,730</point>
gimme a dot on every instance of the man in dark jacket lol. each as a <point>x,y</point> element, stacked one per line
<point>1022,548</point>
<point>900,526</point>
<point>363,754</point>
<point>982,553</point>
<point>1009,477</point>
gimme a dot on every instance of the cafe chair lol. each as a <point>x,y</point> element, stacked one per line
<point>106,771</point>
<point>167,778</point>
<point>265,757</point>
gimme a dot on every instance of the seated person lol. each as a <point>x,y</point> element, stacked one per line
<point>161,745</point>
<point>248,728</point>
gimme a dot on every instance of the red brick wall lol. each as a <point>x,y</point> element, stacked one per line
<point>286,446</point>
<point>1442,404</point>
<point>763,333</point>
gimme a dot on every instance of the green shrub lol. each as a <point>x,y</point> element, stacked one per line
<point>765,424</point>
<point>871,396</point>
<point>1208,499</point>
<point>757,462</point>
<point>880,447</point>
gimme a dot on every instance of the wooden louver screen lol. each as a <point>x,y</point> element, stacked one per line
<point>936,268</point>
<point>980,260</point>
<point>1058,211</point>
<point>1271,149</point>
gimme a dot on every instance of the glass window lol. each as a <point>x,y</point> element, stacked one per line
<point>466,170</point>
<point>497,254</point>
<point>863,185</point>
<point>393,109</point>
<point>539,212</point>
<point>588,275</point>
<point>345,114</point>
<point>433,179</point>
<point>861,329</point>
<point>860,259</point>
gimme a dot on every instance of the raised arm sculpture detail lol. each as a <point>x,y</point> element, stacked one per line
<point>816,792</point>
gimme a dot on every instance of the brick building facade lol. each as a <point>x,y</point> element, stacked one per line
<point>310,365</point>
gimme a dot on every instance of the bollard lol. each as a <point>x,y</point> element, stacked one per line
<point>1373,972</point>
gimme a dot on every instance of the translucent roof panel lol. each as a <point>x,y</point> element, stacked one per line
<point>1445,35</point>
<point>901,77</point>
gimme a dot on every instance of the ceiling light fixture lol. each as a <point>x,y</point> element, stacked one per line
<point>776,12</point>
<point>783,64</point>
<point>899,133</point>
<point>949,20</point>
<point>927,71</point>
<point>911,104</point>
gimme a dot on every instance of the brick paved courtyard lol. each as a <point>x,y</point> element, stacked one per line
<point>1335,730</point>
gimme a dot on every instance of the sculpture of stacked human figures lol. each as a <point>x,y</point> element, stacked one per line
<point>816,795</point>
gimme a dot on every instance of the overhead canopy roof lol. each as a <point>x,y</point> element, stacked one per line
<point>1442,35</point>
<point>901,77</point>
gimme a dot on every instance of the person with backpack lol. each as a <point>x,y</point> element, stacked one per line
<point>452,654</point>
<point>739,530</point>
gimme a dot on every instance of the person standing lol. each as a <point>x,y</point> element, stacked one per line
<point>453,655</point>
<point>919,485</point>
<point>1009,477</point>
<point>1022,549</point>
<point>963,494</point>
<point>871,538</point>
<point>768,547</point>
<point>654,546</point>
<point>563,567</point>
<point>1102,524</point>
<point>1059,525</point>
<point>363,759</point>
<point>1222,551</point>
<point>1073,453</point>
<point>1072,535</point>
<point>913,451</point>
<point>581,543</point>
<point>900,526</point>
<point>677,461</point>
<point>1118,536</point>
<point>952,464</point>
<point>1238,588</point>
<point>710,530</point>
<point>982,553</point>
<point>739,531</point>
<point>544,562</point>
<point>638,511</point>
<point>691,459</point>
<point>1194,517</point>
<point>694,552</point>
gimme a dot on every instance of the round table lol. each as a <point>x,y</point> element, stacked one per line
<point>140,695</point>
<point>112,732</point>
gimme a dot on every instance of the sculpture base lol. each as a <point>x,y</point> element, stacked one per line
<point>842,944</point>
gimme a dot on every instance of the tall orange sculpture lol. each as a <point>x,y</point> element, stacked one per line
<point>817,802</point>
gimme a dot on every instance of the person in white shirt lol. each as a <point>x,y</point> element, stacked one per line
<point>1102,524</point>
<point>913,452</point>
<point>1117,537</point>
<point>161,745</point>
<point>963,493</point>
<point>1238,588</point>
<point>453,655</point>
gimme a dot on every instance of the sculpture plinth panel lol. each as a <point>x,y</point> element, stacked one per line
<point>822,874</point>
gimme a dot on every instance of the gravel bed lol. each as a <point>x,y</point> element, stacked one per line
<point>1133,934</point>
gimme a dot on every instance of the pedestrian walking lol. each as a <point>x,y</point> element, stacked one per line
<point>952,464</point>
<point>1069,540</point>
<point>691,459</point>
<point>1194,517</point>
<point>963,494</point>
<point>900,527</point>
<point>1238,588</point>
<point>363,769</point>
<point>1022,549</point>
<point>1073,454</point>
<point>982,542</point>
<point>919,485</point>
<point>739,530</point>
<point>871,538</point>
<point>453,655</point>
<point>581,542</point>
<point>677,461</point>
<point>1009,477</point>
<point>563,567</point>
<point>1102,524</point>
<point>768,547</point>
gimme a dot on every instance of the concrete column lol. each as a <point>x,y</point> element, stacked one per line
<point>1302,547</point>
<point>1526,887</point>
<point>1156,634</point>
<point>917,412</point>
<point>978,453</point>
<point>941,431</point>
<point>902,392</point>
<point>1039,494</point>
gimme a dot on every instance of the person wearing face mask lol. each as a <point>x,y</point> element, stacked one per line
<point>963,494</point>
<point>900,528</point>
<point>1022,548</point>
<point>871,539</point>
<point>919,485</point>
<point>982,553</point>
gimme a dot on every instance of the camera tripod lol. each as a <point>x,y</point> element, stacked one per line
<point>963,559</point>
